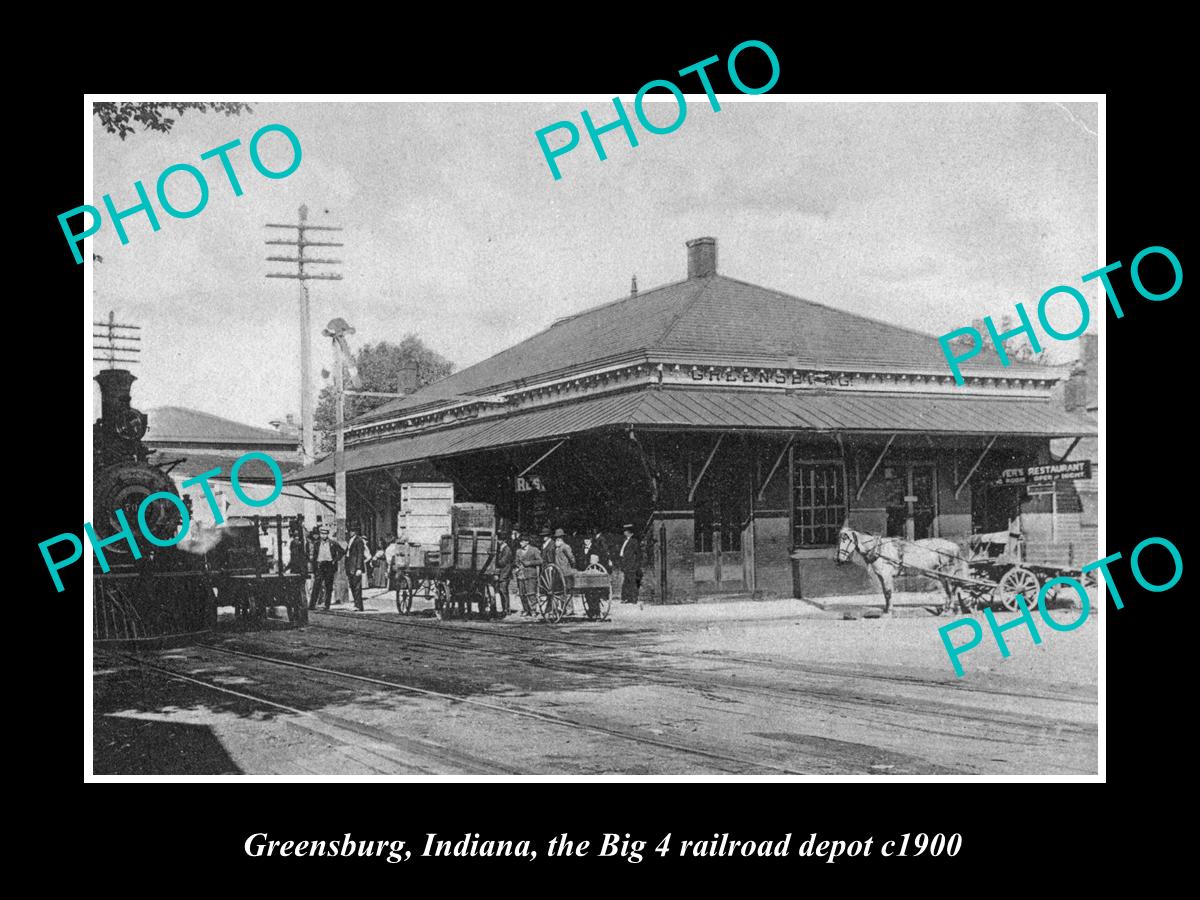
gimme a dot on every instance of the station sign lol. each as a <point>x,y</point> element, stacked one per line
<point>1048,474</point>
<point>532,483</point>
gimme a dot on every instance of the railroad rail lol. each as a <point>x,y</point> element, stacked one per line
<point>1018,723</point>
<point>741,763</point>
<point>338,728</point>
<point>775,665</point>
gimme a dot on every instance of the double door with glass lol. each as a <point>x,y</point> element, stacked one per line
<point>911,492</point>
<point>723,527</point>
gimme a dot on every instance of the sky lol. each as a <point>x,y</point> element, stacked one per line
<point>924,215</point>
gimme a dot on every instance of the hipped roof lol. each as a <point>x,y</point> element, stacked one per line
<point>180,425</point>
<point>713,320</point>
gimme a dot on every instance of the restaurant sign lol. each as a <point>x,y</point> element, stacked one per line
<point>1065,471</point>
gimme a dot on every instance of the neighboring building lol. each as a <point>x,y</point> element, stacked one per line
<point>200,442</point>
<point>735,425</point>
<point>1069,516</point>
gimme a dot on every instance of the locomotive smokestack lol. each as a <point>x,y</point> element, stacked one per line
<point>114,394</point>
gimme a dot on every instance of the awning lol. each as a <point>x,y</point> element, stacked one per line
<point>705,410</point>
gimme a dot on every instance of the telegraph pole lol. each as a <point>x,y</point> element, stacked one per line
<point>304,276</point>
<point>110,345</point>
<point>307,449</point>
<point>339,486</point>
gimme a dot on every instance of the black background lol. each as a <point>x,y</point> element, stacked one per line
<point>196,832</point>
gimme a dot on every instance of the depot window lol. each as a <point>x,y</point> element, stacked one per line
<point>819,503</point>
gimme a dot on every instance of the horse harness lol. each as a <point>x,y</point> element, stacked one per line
<point>873,552</point>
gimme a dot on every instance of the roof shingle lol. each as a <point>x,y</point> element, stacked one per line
<point>717,320</point>
<point>179,425</point>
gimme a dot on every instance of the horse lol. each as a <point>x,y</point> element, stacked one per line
<point>885,557</point>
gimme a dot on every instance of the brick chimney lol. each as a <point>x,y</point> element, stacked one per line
<point>1080,392</point>
<point>702,257</point>
<point>409,379</point>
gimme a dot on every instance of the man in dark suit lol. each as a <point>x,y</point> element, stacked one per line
<point>547,545</point>
<point>325,556</point>
<point>356,562</point>
<point>630,559</point>
<point>504,569</point>
<point>298,551</point>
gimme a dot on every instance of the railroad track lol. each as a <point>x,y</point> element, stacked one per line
<point>1021,725</point>
<point>742,764</point>
<point>775,665</point>
<point>370,745</point>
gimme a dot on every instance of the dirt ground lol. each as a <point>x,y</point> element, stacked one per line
<point>766,687</point>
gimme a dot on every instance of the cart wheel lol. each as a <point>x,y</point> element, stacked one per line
<point>441,600</point>
<point>1017,581</point>
<point>404,595</point>
<point>552,592</point>
<point>601,596</point>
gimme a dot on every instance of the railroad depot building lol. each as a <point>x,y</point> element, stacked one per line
<point>737,426</point>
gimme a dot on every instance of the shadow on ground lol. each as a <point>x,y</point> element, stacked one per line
<point>123,745</point>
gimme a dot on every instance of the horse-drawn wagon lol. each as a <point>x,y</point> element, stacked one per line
<point>1000,557</point>
<point>461,570</point>
<point>992,571</point>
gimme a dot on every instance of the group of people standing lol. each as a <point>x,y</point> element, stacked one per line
<point>318,554</point>
<point>519,560</point>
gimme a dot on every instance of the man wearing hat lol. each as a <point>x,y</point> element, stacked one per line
<point>547,545</point>
<point>529,561</point>
<point>505,555</point>
<point>564,556</point>
<point>357,551</point>
<point>298,550</point>
<point>325,556</point>
<point>630,559</point>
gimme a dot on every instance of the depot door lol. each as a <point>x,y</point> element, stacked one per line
<point>722,526</point>
<point>911,493</point>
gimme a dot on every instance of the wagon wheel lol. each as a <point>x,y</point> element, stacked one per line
<point>552,592</point>
<point>603,596</point>
<point>404,594</point>
<point>1017,581</point>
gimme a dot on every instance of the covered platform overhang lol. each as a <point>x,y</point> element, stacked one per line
<point>714,410</point>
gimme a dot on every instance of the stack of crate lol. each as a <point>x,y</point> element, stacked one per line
<point>423,518</point>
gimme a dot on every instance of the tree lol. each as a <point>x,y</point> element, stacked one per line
<point>1018,349</point>
<point>379,369</point>
<point>117,118</point>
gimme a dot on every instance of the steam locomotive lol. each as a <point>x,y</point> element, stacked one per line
<point>168,592</point>
<point>123,477</point>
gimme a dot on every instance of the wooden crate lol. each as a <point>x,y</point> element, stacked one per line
<point>591,579</point>
<point>472,517</point>
<point>473,549</point>
<point>426,497</point>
